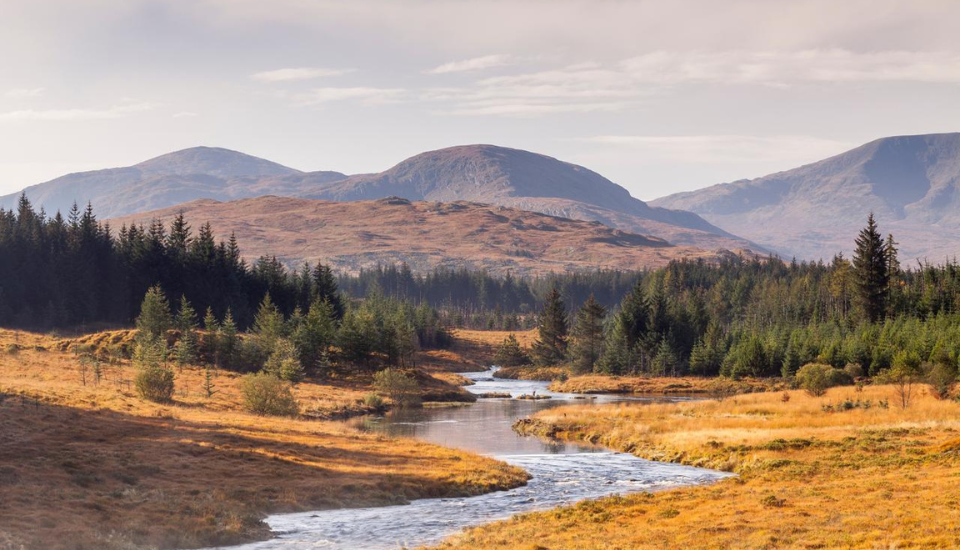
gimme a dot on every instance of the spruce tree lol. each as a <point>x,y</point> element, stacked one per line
<point>551,346</point>
<point>871,271</point>
<point>268,324</point>
<point>510,354</point>
<point>228,343</point>
<point>325,288</point>
<point>154,319</point>
<point>587,340</point>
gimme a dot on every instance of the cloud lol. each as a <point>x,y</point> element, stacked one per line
<point>298,73</point>
<point>319,96</point>
<point>23,93</point>
<point>470,65</point>
<point>117,111</point>
<point>722,149</point>
<point>185,114</point>
<point>784,68</point>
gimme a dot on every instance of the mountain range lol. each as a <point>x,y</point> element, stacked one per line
<point>910,183</point>
<point>352,235</point>
<point>477,173</point>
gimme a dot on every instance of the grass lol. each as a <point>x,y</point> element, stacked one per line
<point>859,478</point>
<point>593,383</point>
<point>95,467</point>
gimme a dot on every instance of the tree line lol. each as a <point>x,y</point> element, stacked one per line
<point>763,318</point>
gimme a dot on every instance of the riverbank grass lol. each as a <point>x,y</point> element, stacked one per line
<point>850,469</point>
<point>86,464</point>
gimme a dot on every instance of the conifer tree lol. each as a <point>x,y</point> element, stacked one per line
<point>154,319</point>
<point>325,288</point>
<point>587,339</point>
<point>870,267</point>
<point>510,354</point>
<point>551,346</point>
<point>268,324</point>
<point>227,341</point>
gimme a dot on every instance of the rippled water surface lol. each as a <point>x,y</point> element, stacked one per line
<point>562,474</point>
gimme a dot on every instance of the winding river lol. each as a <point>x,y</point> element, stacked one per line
<point>562,474</point>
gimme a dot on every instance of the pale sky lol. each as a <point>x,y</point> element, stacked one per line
<point>659,96</point>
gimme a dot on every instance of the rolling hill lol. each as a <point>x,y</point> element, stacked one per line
<point>361,234</point>
<point>911,183</point>
<point>478,173</point>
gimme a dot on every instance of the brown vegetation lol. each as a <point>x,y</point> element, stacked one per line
<point>595,383</point>
<point>353,235</point>
<point>91,465</point>
<point>846,470</point>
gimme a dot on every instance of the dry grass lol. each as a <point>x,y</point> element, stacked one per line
<point>93,466</point>
<point>477,347</point>
<point>861,478</point>
<point>593,383</point>
<point>529,372</point>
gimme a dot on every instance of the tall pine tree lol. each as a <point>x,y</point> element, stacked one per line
<point>870,269</point>
<point>587,340</point>
<point>551,347</point>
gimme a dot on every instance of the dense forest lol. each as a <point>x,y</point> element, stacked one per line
<point>742,316</point>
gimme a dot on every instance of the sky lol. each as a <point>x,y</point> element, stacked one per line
<point>658,96</point>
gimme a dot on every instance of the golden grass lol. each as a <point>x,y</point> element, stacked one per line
<point>529,372</point>
<point>93,466</point>
<point>593,383</point>
<point>874,478</point>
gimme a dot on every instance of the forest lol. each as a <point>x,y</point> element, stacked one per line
<point>743,316</point>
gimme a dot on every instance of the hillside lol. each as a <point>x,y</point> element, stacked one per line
<point>425,235</point>
<point>478,173</point>
<point>911,183</point>
<point>528,181</point>
<point>199,172</point>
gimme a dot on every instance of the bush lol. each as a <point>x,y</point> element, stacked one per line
<point>265,394</point>
<point>284,362</point>
<point>155,383</point>
<point>400,387</point>
<point>373,401</point>
<point>816,378</point>
<point>941,378</point>
<point>854,371</point>
<point>12,349</point>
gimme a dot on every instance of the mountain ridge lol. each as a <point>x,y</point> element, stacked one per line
<point>480,173</point>
<point>910,182</point>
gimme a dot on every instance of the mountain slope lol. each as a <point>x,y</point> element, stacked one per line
<point>530,181</point>
<point>480,173</point>
<point>199,172</point>
<point>361,234</point>
<point>911,183</point>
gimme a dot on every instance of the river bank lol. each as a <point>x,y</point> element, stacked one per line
<point>849,470</point>
<point>86,464</point>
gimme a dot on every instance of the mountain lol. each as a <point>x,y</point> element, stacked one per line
<point>911,183</point>
<point>478,173</point>
<point>199,172</point>
<point>529,181</point>
<point>362,234</point>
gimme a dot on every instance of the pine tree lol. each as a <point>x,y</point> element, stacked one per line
<point>154,319</point>
<point>315,334</point>
<point>227,342</point>
<point>871,270</point>
<point>587,340</point>
<point>894,292</point>
<point>268,324</point>
<point>510,354</point>
<point>325,288</point>
<point>551,346</point>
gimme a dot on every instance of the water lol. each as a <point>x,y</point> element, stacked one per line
<point>562,474</point>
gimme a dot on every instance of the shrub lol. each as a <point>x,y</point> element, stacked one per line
<point>854,370</point>
<point>400,387</point>
<point>941,378</point>
<point>816,378</point>
<point>284,362</point>
<point>155,383</point>
<point>12,349</point>
<point>265,394</point>
<point>373,401</point>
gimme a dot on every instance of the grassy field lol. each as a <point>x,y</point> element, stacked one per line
<point>92,466</point>
<point>812,473</point>
<point>592,383</point>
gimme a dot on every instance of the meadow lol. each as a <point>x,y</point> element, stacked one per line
<point>87,464</point>
<point>851,469</point>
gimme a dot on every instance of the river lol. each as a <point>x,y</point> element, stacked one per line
<point>562,474</point>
